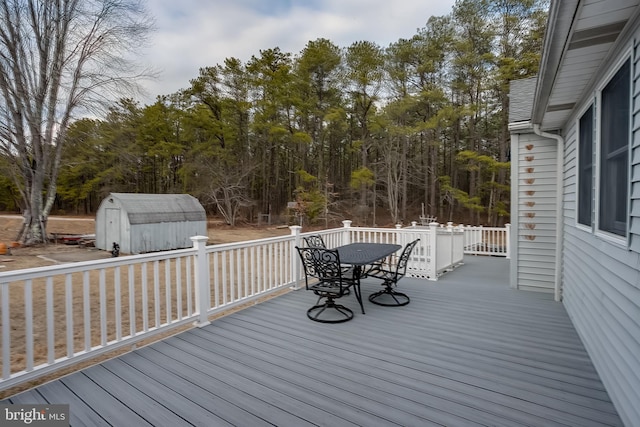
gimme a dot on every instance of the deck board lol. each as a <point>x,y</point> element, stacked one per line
<point>85,415</point>
<point>97,400</point>
<point>467,350</point>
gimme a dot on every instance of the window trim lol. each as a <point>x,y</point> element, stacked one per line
<point>594,139</point>
<point>607,235</point>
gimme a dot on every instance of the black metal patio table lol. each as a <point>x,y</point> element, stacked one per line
<point>361,254</point>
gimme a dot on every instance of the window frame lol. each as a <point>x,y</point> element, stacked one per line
<point>591,107</point>
<point>598,184</point>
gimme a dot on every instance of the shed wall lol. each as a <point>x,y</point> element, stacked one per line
<point>112,225</point>
<point>164,236</point>
<point>139,223</point>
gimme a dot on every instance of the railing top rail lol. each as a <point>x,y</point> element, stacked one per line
<point>482,227</point>
<point>247,243</point>
<point>325,231</point>
<point>376,229</point>
<point>74,267</point>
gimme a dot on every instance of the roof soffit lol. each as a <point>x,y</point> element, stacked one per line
<point>578,44</point>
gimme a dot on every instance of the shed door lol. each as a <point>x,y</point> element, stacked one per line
<point>112,232</point>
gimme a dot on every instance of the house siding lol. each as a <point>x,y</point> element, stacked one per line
<point>634,219</point>
<point>533,265</point>
<point>600,271</point>
<point>601,276</point>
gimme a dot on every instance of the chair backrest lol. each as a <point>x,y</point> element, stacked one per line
<point>315,241</point>
<point>320,263</point>
<point>401,267</point>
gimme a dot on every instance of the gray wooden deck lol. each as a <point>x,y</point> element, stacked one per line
<point>467,350</point>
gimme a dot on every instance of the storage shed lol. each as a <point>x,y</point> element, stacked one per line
<point>142,223</point>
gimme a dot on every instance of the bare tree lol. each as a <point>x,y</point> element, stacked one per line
<point>59,58</point>
<point>394,170</point>
<point>229,197</point>
<point>228,188</point>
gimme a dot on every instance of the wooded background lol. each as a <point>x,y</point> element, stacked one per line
<point>364,132</point>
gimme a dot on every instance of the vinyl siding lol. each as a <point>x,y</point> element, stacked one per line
<point>634,219</point>
<point>535,223</point>
<point>601,277</point>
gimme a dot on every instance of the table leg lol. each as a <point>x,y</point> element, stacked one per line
<point>357,273</point>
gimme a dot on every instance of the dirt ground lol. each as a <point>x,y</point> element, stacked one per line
<point>56,253</point>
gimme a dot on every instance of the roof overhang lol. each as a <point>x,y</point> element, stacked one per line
<point>582,37</point>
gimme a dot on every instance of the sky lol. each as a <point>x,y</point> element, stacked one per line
<point>191,34</point>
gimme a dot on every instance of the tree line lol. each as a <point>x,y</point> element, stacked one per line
<point>359,131</point>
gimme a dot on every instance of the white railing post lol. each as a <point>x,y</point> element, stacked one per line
<point>400,238</point>
<point>459,249</point>
<point>295,258</point>
<point>508,240</point>
<point>433,259</point>
<point>450,231</point>
<point>465,237</point>
<point>6,331</point>
<point>346,234</point>
<point>202,283</point>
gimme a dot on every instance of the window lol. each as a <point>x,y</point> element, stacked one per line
<point>585,168</point>
<point>614,153</point>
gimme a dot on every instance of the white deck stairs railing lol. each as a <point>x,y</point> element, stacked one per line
<point>480,240</point>
<point>59,316</point>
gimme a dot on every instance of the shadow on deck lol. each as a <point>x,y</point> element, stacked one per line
<point>467,350</point>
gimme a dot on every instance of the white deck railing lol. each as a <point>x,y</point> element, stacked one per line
<point>495,241</point>
<point>480,240</point>
<point>57,316</point>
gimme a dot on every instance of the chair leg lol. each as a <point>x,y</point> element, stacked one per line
<point>315,312</point>
<point>389,297</point>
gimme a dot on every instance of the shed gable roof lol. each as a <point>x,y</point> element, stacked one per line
<point>157,208</point>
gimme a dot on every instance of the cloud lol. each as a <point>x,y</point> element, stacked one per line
<point>197,33</point>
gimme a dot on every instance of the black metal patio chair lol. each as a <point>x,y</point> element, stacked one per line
<point>390,275</point>
<point>324,276</point>
<point>315,241</point>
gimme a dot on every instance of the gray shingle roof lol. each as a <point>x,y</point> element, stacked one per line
<point>521,94</point>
